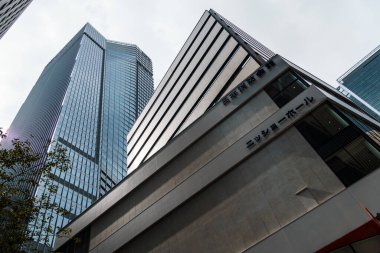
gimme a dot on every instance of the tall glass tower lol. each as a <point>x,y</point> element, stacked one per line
<point>10,10</point>
<point>87,99</point>
<point>361,83</point>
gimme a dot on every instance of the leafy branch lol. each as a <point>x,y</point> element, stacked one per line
<point>21,171</point>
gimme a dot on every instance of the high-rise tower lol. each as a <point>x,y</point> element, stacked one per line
<point>86,99</point>
<point>361,83</point>
<point>10,10</point>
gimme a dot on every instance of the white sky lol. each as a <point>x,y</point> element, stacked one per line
<point>325,37</point>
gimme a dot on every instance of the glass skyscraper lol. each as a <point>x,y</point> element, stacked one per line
<point>10,10</point>
<point>86,99</point>
<point>361,83</point>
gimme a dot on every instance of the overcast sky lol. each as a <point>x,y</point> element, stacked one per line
<point>325,37</point>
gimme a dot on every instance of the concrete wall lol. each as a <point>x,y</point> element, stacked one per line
<point>219,189</point>
<point>191,160</point>
<point>266,192</point>
<point>335,218</point>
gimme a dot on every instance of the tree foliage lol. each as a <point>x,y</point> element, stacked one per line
<point>21,170</point>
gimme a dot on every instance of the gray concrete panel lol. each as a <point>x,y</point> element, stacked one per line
<point>233,212</point>
<point>366,191</point>
<point>192,159</point>
<point>323,225</point>
<point>278,241</point>
<point>212,170</point>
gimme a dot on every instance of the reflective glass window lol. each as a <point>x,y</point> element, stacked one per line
<point>285,88</point>
<point>348,150</point>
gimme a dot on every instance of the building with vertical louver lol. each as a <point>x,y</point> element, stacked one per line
<point>86,99</point>
<point>277,161</point>
<point>10,10</point>
<point>215,58</point>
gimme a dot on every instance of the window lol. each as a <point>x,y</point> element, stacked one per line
<point>285,88</point>
<point>347,149</point>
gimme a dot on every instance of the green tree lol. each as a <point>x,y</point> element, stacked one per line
<point>21,170</point>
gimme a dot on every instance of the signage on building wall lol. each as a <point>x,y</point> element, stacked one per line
<point>242,87</point>
<point>289,115</point>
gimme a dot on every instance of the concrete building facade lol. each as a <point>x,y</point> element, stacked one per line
<point>281,162</point>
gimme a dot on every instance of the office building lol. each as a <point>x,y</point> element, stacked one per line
<point>86,99</point>
<point>10,10</point>
<point>215,58</point>
<point>280,162</point>
<point>361,83</point>
<point>360,102</point>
